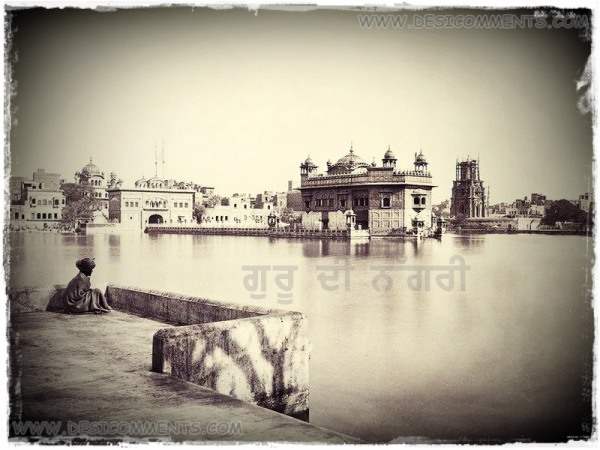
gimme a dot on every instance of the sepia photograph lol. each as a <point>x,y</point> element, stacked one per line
<point>299,223</point>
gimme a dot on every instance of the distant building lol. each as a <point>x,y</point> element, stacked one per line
<point>238,214</point>
<point>280,200</point>
<point>276,200</point>
<point>90,175</point>
<point>586,202</point>
<point>293,198</point>
<point>264,201</point>
<point>538,199</point>
<point>511,210</point>
<point>469,199</point>
<point>526,208</point>
<point>36,202</point>
<point>151,201</point>
<point>537,210</point>
<point>16,188</point>
<point>522,206</point>
<point>383,199</point>
<point>203,194</point>
<point>519,208</point>
<point>499,209</point>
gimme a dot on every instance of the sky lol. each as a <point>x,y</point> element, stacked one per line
<point>238,99</point>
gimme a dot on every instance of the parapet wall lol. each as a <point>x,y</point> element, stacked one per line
<point>28,299</point>
<point>253,354</point>
<point>176,309</point>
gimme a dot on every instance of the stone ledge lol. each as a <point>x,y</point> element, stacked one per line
<point>253,354</point>
<point>178,309</point>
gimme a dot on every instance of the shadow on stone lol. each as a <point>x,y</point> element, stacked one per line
<point>254,354</point>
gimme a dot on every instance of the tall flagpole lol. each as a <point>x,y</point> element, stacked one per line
<point>162,151</point>
<point>155,162</point>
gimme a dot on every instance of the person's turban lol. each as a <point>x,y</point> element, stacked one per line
<point>85,264</point>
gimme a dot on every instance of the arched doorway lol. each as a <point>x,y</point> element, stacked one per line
<point>155,219</point>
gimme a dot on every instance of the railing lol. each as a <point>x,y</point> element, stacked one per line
<point>395,177</point>
<point>235,231</point>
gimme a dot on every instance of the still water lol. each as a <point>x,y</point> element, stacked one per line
<point>508,357</point>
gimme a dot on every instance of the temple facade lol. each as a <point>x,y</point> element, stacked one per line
<point>469,199</point>
<point>381,198</point>
<point>151,201</point>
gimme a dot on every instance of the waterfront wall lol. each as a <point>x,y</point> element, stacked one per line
<point>269,232</point>
<point>257,355</point>
<point>278,233</point>
<point>487,224</point>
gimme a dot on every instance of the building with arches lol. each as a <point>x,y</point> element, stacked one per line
<point>469,199</point>
<point>384,199</point>
<point>152,201</point>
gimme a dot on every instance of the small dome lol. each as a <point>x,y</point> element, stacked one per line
<point>348,163</point>
<point>389,154</point>
<point>309,162</point>
<point>420,157</point>
<point>91,169</point>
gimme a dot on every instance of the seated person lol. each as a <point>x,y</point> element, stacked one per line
<point>79,297</point>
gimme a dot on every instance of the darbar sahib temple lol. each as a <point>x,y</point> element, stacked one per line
<point>380,198</point>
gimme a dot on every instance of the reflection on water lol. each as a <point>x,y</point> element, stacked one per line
<point>472,242</point>
<point>507,358</point>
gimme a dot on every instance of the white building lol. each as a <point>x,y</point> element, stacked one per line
<point>150,202</point>
<point>238,214</point>
<point>38,202</point>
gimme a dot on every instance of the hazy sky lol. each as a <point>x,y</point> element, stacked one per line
<point>239,99</point>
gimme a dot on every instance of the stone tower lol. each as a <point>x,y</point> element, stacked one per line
<point>468,193</point>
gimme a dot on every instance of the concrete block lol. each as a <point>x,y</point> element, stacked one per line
<point>261,360</point>
<point>254,354</point>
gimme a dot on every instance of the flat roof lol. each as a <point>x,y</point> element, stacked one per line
<point>163,191</point>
